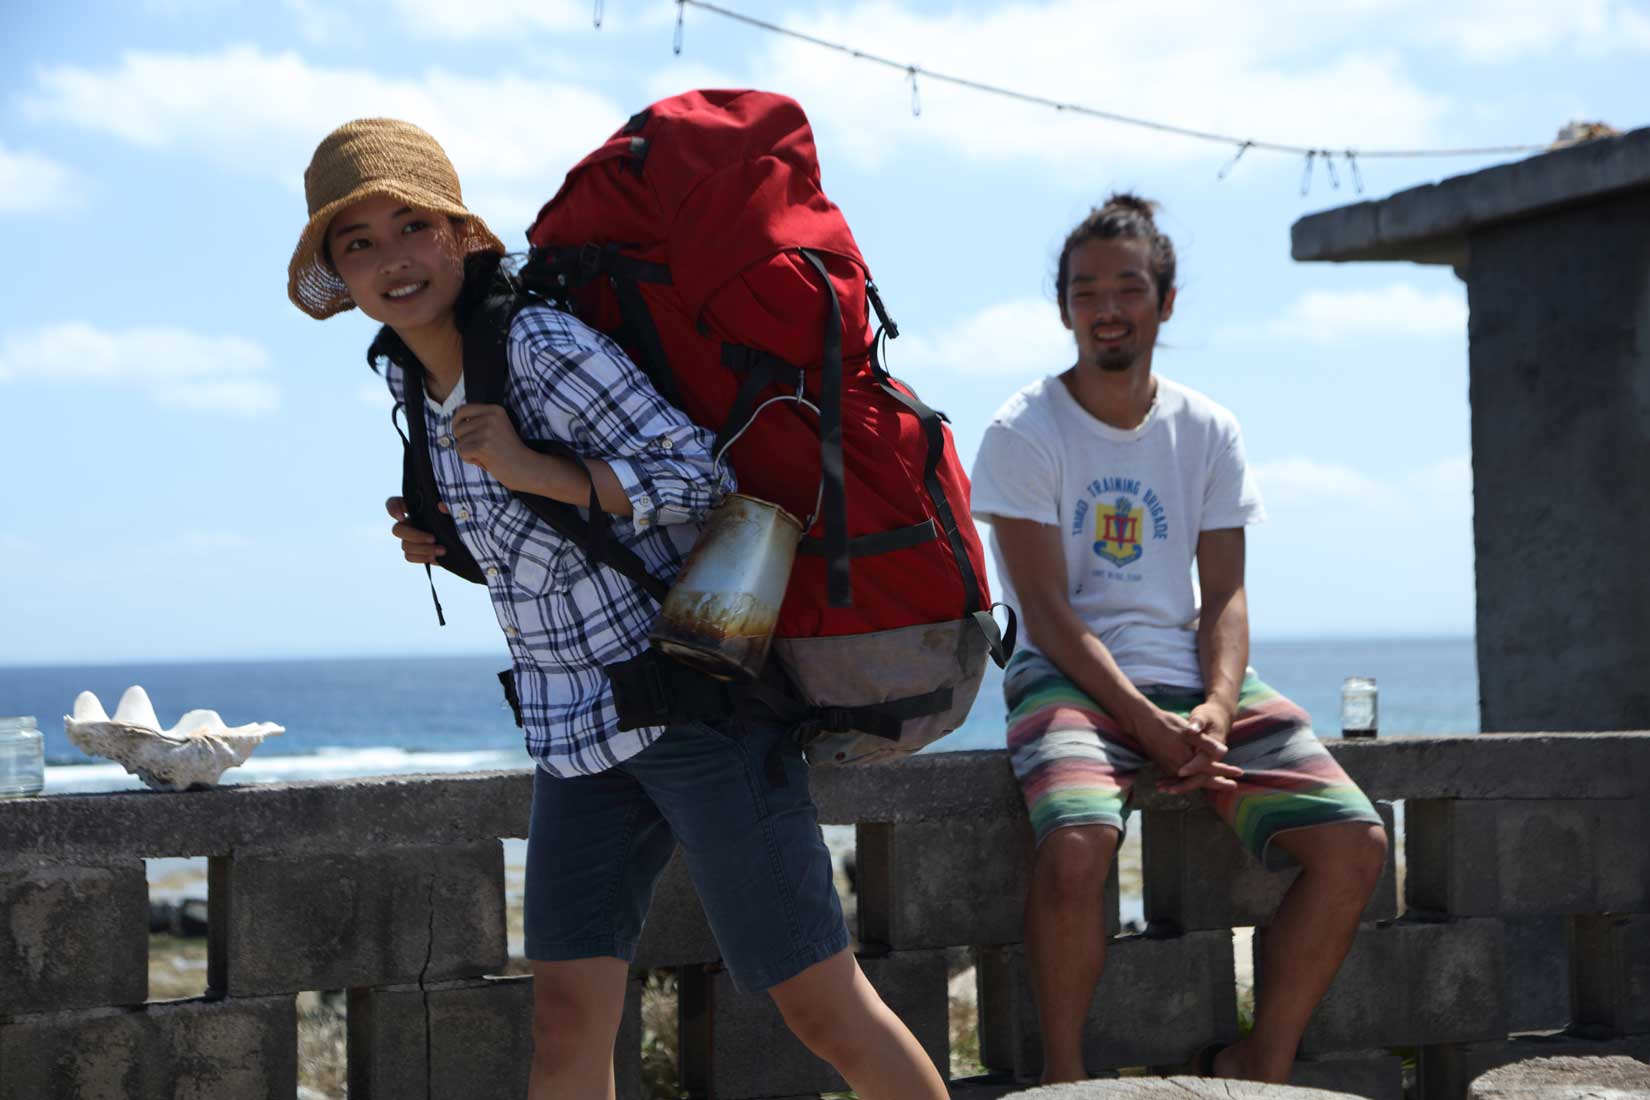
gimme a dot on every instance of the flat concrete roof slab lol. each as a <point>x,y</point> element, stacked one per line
<point>1429,224</point>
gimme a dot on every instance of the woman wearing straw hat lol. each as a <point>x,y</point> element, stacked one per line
<point>388,232</point>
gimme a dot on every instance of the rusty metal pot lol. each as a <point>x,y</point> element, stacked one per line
<point>720,614</point>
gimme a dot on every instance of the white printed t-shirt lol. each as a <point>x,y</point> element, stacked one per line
<point>1129,505</point>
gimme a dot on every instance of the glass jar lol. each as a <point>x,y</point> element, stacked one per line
<point>1358,707</point>
<point>22,758</point>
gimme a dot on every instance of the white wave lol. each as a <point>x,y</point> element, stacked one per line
<point>328,763</point>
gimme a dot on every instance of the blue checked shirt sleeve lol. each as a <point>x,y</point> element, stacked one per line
<point>602,404</point>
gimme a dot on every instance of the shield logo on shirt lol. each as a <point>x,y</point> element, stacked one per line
<point>1117,531</point>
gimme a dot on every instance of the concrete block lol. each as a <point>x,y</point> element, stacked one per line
<point>1406,983</point>
<point>1527,857</point>
<point>1447,1070</point>
<point>444,1039</point>
<point>954,883</point>
<point>676,932</point>
<point>287,922</point>
<point>1374,1074</point>
<point>1158,1002</point>
<point>245,1048</point>
<point>1610,972</point>
<point>325,815</point>
<point>73,936</point>
<point>1198,877</point>
<point>1498,765</point>
<point>736,1045</point>
<point>405,1041</point>
<point>919,788</point>
<point>1537,951</point>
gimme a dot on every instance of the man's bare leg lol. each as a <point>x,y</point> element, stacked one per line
<point>1066,938</point>
<point>832,1008</point>
<point>1306,942</point>
<point>577,1006</point>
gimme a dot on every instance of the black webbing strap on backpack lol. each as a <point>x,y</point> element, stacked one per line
<point>486,378</point>
<point>417,488</point>
<point>934,429</point>
<point>834,505</point>
<point>554,272</point>
<point>757,370</point>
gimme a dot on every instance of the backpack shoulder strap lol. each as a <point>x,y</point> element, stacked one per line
<point>486,381</point>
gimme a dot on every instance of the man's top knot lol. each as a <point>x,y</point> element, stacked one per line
<point>1128,200</point>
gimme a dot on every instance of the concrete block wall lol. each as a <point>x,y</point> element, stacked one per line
<point>1568,881</point>
<point>1198,877</point>
<point>393,890</point>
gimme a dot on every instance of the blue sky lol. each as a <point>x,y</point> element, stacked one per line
<point>195,469</point>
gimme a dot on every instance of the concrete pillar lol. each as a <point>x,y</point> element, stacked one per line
<point>1555,252</point>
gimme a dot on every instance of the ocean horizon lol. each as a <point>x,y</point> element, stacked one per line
<point>360,716</point>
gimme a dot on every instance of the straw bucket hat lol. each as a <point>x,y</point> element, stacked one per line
<point>365,159</point>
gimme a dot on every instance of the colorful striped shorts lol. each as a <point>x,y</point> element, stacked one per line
<point>1076,766</point>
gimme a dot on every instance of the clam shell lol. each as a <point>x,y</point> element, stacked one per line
<point>193,753</point>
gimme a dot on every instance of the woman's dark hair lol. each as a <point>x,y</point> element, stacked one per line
<point>485,299</point>
<point>1124,215</point>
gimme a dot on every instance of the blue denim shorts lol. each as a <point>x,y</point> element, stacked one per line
<point>597,844</point>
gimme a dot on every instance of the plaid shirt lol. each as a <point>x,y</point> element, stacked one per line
<point>563,615</point>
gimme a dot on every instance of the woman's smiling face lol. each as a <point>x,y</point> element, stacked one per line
<point>403,266</point>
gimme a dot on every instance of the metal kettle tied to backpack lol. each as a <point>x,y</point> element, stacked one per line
<point>698,238</point>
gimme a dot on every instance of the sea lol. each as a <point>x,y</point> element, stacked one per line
<point>379,716</point>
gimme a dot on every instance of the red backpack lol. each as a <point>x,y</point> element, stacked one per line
<point>699,238</point>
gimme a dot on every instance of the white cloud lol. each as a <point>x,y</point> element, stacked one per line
<point>1502,30</point>
<point>1300,482</point>
<point>1332,316</point>
<point>1022,337</point>
<point>34,184</point>
<point>1282,71</point>
<point>251,111</point>
<point>328,20</point>
<point>176,367</point>
<point>1448,478</point>
<point>499,18</point>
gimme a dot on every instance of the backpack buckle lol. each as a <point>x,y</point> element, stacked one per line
<point>590,261</point>
<point>835,719</point>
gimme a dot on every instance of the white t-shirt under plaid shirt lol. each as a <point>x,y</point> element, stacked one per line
<point>564,616</point>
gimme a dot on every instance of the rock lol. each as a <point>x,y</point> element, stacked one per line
<point>1176,1088</point>
<point>1565,1078</point>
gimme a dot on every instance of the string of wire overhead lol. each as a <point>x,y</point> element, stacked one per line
<point>1311,153</point>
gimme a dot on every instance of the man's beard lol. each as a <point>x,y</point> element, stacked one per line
<point>1116,362</point>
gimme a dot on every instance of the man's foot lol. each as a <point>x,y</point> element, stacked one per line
<point>1060,1073</point>
<point>1243,1062</point>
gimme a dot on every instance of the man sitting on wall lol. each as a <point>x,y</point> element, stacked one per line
<point>1103,485</point>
